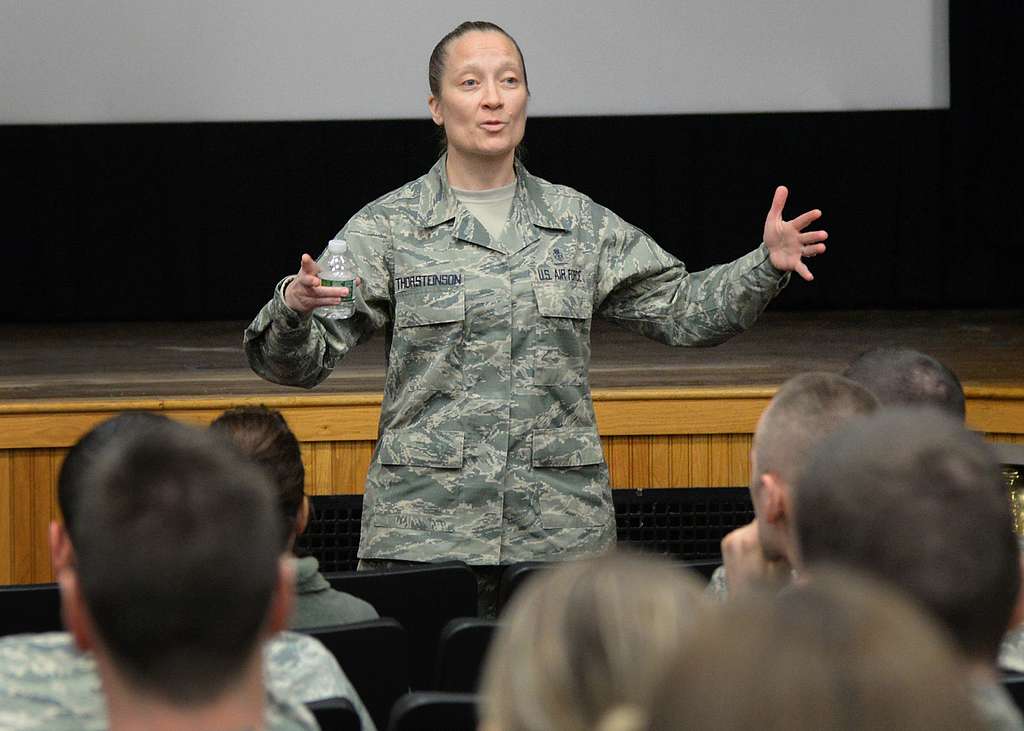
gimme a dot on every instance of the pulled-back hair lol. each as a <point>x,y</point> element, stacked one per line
<point>263,435</point>
<point>177,552</point>
<point>905,377</point>
<point>911,496</point>
<point>439,60</point>
<point>582,644</point>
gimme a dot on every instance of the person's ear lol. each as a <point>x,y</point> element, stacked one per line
<point>774,498</point>
<point>73,611</point>
<point>61,552</point>
<point>282,601</point>
<point>302,519</point>
<point>435,110</point>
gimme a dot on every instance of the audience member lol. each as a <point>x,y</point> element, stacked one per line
<point>841,653</point>
<point>912,497</point>
<point>46,681</point>
<point>804,410</point>
<point>583,643</point>
<point>264,436</point>
<point>905,377</point>
<point>170,651</point>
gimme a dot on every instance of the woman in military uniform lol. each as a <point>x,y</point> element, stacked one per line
<point>485,279</point>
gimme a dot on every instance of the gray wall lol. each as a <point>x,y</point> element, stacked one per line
<point>70,61</point>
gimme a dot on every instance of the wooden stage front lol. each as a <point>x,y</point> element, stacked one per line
<point>668,417</point>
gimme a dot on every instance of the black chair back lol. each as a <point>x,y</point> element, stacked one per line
<point>375,657</point>
<point>461,652</point>
<point>513,577</point>
<point>433,711</point>
<point>335,714</point>
<point>422,598</point>
<point>1014,684</point>
<point>30,608</point>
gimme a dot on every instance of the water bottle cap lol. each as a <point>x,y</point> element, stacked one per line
<point>337,246</point>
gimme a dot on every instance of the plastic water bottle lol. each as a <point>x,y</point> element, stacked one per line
<point>335,272</point>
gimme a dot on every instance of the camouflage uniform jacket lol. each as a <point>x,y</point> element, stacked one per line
<point>488,450</point>
<point>47,683</point>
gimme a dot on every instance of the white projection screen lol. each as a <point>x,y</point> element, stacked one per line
<point>80,61</point>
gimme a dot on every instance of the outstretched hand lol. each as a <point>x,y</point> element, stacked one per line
<point>787,245</point>
<point>305,292</point>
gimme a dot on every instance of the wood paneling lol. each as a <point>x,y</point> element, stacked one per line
<point>651,439</point>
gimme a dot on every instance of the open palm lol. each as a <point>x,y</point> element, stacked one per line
<point>787,243</point>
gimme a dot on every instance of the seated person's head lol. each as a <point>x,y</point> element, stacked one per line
<point>83,453</point>
<point>263,435</point>
<point>838,653</point>
<point>905,377</point>
<point>911,496</point>
<point>583,642</point>
<point>177,572</point>
<point>803,411</point>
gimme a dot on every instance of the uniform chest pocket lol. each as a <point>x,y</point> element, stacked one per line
<point>562,346</point>
<point>426,349</point>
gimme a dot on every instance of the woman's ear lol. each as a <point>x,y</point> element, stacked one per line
<point>302,519</point>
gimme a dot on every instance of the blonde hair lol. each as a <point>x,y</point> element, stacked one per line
<point>842,652</point>
<point>583,643</point>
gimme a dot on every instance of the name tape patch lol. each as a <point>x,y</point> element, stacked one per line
<point>427,280</point>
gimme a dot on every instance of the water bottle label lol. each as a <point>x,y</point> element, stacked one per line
<point>350,283</point>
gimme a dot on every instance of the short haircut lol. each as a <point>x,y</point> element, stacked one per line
<point>840,652</point>
<point>263,435</point>
<point>905,377</point>
<point>81,456</point>
<point>177,553</point>
<point>803,411</point>
<point>911,496</point>
<point>586,640</point>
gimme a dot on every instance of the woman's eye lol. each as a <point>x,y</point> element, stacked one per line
<point>510,81</point>
<point>469,83</point>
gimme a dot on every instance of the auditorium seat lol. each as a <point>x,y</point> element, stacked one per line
<point>461,652</point>
<point>434,711</point>
<point>423,598</point>
<point>374,656</point>
<point>1014,684</point>
<point>512,578</point>
<point>30,608</point>
<point>335,714</point>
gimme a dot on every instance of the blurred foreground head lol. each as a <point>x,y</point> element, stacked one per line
<point>584,642</point>
<point>912,497</point>
<point>841,653</point>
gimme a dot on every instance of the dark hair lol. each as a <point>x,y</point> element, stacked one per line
<point>804,410</point>
<point>177,552</point>
<point>911,496</point>
<point>263,435</point>
<point>439,58</point>
<point>905,377</point>
<point>841,652</point>
<point>81,456</point>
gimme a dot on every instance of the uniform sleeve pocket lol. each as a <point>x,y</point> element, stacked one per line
<point>566,448</point>
<point>417,448</point>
